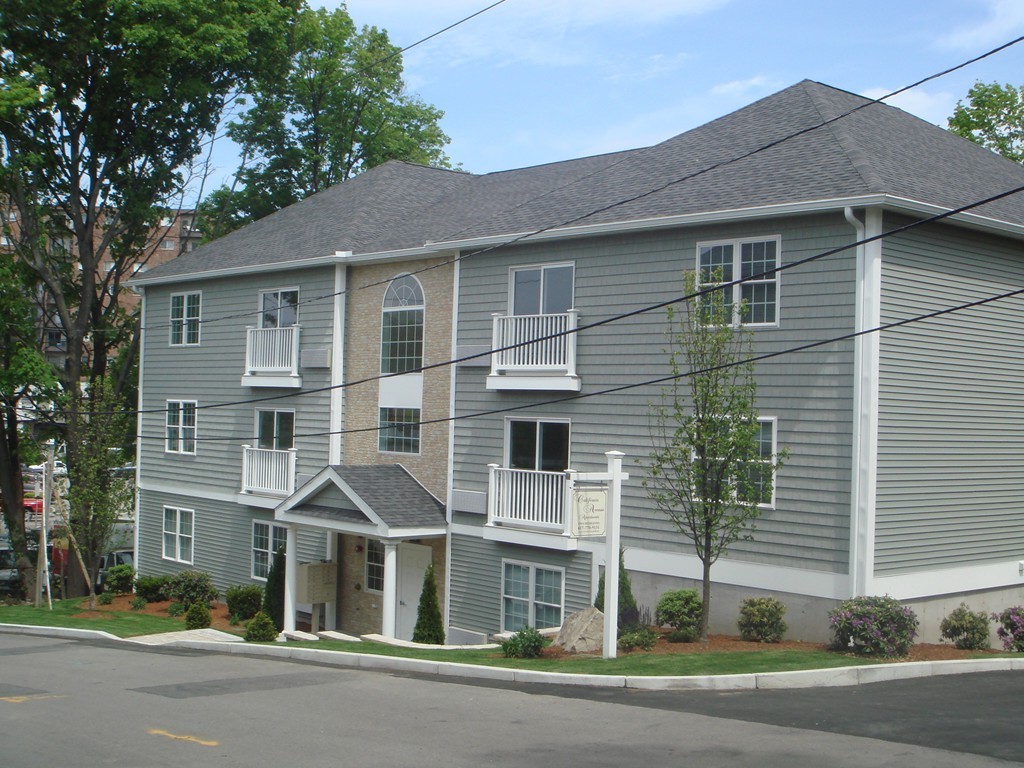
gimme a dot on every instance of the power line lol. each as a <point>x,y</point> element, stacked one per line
<point>633,198</point>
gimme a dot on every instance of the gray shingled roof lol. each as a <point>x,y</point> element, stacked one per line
<point>876,150</point>
<point>394,495</point>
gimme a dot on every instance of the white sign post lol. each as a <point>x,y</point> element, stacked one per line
<point>587,505</point>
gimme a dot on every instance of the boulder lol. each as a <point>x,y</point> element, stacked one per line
<point>582,632</point>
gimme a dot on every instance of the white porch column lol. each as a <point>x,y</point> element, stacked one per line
<point>331,556</point>
<point>390,588</point>
<point>291,577</point>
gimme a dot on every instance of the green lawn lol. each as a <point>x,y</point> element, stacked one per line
<point>122,624</point>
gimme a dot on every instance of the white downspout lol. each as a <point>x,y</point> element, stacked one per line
<point>864,476</point>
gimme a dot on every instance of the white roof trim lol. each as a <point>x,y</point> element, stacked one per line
<point>319,261</point>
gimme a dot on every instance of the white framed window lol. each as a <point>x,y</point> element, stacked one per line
<point>167,245</point>
<point>401,326</point>
<point>762,483</point>
<point>279,308</point>
<point>178,534</point>
<point>275,429</point>
<point>724,261</point>
<point>542,290</point>
<point>267,538</point>
<point>531,595</point>
<point>374,565</point>
<point>537,444</point>
<point>399,430</point>
<point>5,240</point>
<point>185,318</point>
<point>181,426</point>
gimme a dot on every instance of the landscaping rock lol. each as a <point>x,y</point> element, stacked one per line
<point>582,632</point>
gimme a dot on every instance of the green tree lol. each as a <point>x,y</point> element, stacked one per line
<point>992,117</point>
<point>103,106</point>
<point>628,612</point>
<point>341,108</point>
<point>708,472</point>
<point>429,624</point>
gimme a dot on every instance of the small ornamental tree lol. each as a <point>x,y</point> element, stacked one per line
<point>628,612</point>
<point>273,592</point>
<point>429,625</point>
<point>711,467</point>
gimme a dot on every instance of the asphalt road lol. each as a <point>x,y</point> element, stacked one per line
<point>70,703</point>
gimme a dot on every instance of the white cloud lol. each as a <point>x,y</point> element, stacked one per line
<point>1005,19</point>
<point>740,87</point>
<point>934,107</point>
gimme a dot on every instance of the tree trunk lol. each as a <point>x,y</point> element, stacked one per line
<point>705,607</point>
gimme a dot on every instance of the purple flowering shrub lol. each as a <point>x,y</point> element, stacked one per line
<point>873,626</point>
<point>1012,630</point>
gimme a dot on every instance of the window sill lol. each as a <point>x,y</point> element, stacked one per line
<point>269,380</point>
<point>540,383</point>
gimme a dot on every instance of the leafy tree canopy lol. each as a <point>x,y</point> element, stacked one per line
<point>993,117</point>
<point>340,109</point>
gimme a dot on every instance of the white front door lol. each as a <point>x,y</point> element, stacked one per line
<point>413,560</point>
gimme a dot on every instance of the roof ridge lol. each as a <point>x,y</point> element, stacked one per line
<point>840,131</point>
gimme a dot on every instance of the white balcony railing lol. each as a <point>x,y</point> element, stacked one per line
<point>272,351</point>
<point>268,471</point>
<point>529,499</point>
<point>554,352</point>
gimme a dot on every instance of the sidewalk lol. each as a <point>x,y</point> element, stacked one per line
<point>220,642</point>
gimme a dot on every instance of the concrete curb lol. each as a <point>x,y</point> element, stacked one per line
<point>808,678</point>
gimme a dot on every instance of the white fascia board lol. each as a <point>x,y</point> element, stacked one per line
<point>277,266</point>
<point>950,581</point>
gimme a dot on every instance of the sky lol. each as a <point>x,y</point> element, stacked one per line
<point>536,81</point>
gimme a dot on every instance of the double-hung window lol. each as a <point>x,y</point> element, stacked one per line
<point>751,483</point>
<point>374,565</point>
<point>178,526</point>
<point>399,430</point>
<point>275,429</point>
<point>267,538</point>
<point>279,308</point>
<point>181,426</point>
<point>760,486</point>
<point>755,301</point>
<point>185,309</point>
<point>531,595</point>
<point>401,335</point>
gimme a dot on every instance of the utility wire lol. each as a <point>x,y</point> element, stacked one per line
<point>633,198</point>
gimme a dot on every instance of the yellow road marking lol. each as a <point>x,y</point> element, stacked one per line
<point>23,699</point>
<point>178,737</point>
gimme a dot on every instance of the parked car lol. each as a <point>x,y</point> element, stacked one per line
<point>10,581</point>
<point>109,560</point>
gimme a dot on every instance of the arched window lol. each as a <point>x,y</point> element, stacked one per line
<point>401,346</point>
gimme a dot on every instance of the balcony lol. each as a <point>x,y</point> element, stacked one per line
<point>527,499</point>
<point>534,352</point>
<point>268,472</point>
<point>272,357</point>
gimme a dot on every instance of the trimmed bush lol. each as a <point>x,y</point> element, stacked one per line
<point>260,629</point>
<point>1012,630</point>
<point>197,616</point>
<point>120,579</point>
<point>873,626</point>
<point>105,598</point>
<point>190,587</point>
<point>152,589</point>
<point>680,609</point>
<point>273,590</point>
<point>429,624</point>
<point>244,601</point>
<point>174,610</point>
<point>138,603</point>
<point>967,630</point>
<point>761,620</point>
<point>643,638</point>
<point>527,643</point>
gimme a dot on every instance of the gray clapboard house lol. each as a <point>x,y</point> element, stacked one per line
<point>904,473</point>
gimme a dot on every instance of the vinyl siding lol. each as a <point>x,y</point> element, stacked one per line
<point>476,575</point>
<point>951,426</point>
<point>222,539</point>
<point>810,393</point>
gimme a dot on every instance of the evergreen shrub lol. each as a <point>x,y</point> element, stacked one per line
<point>761,620</point>
<point>273,591</point>
<point>967,630</point>
<point>680,609</point>
<point>873,626</point>
<point>429,624</point>
<point>120,579</point>
<point>152,589</point>
<point>244,601</point>
<point>260,629</point>
<point>197,616</point>
<point>189,587</point>
<point>527,643</point>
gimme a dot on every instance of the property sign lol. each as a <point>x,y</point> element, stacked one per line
<point>589,511</point>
